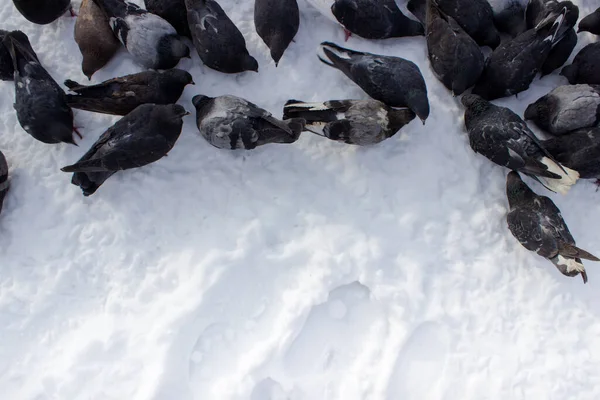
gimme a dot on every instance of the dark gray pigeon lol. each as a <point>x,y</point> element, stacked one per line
<point>566,108</point>
<point>94,37</point>
<point>7,71</point>
<point>538,225</point>
<point>474,16</point>
<point>359,122</point>
<point>43,12</point>
<point>504,138</point>
<point>40,103</point>
<point>220,44</point>
<point>392,80</point>
<point>143,136</point>
<point>510,69</point>
<point>456,60</point>
<point>120,96</point>
<point>591,23</point>
<point>229,122</point>
<point>585,67</point>
<point>537,10</point>
<point>579,150</point>
<point>509,15</point>
<point>152,41</point>
<point>173,11</point>
<point>4,183</point>
<point>276,22</point>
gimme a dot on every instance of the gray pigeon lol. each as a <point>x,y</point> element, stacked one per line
<point>276,22</point>
<point>585,67</point>
<point>509,15</point>
<point>220,44</point>
<point>94,37</point>
<point>505,139</point>
<point>40,103</point>
<point>7,71</point>
<point>510,69</point>
<point>43,12</point>
<point>474,16</point>
<point>120,96</point>
<point>579,150</point>
<point>392,80</point>
<point>4,183</point>
<point>591,23</point>
<point>538,225</point>
<point>456,60</point>
<point>143,136</point>
<point>151,40</point>
<point>173,11</point>
<point>359,122</point>
<point>229,122</point>
<point>566,108</point>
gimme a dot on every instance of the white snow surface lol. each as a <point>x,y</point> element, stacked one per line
<point>312,271</point>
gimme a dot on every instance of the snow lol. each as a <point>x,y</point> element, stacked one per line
<point>312,271</point>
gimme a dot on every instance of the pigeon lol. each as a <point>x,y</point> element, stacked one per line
<point>7,71</point>
<point>505,139</point>
<point>510,69</point>
<point>173,11</point>
<point>590,23</point>
<point>392,80</point>
<point>566,108</point>
<point>97,42</point>
<point>509,16</point>
<point>358,122</point>
<point>538,225</point>
<point>120,96</point>
<point>456,59</point>
<point>579,150</point>
<point>4,183</point>
<point>40,103</point>
<point>220,45</point>
<point>537,10</point>
<point>474,16</point>
<point>276,23</point>
<point>143,136</point>
<point>585,67</point>
<point>43,12</point>
<point>229,122</point>
<point>151,40</point>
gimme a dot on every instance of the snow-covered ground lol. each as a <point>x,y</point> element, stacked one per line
<point>312,271</point>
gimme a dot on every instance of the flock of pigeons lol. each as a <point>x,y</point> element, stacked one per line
<point>527,37</point>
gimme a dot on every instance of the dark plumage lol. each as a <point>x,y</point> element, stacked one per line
<point>585,67</point>
<point>7,71</point>
<point>392,80</point>
<point>455,58</point>
<point>504,138</point>
<point>229,122</point>
<point>509,16</point>
<point>142,137</point>
<point>359,122</point>
<point>579,150</point>
<point>538,225</point>
<point>474,16</point>
<point>40,103</point>
<point>512,66</point>
<point>152,41</point>
<point>537,10</point>
<point>591,23</point>
<point>42,12</point>
<point>220,44</point>
<point>566,108</point>
<point>4,183</point>
<point>375,19</point>
<point>276,22</point>
<point>120,96</point>
<point>96,41</point>
<point>173,11</point>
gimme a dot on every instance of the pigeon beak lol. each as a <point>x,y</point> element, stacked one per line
<point>192,83</point>
<point>187,113</point>
<point>422,120</point>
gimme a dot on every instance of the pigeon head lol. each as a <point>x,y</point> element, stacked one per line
<point>590,23</point>
<point>90,65</point>
<point>61,132</point>
<point>474,103</point>
<point>199,101</point>
<point>517,191</point>
<point>492,38</point>
<point>419,103</point>
<point>570,72</point>
<point>177,47</point>
<point>346,12</point>
<point>178,75</point>
<point>250,64</point>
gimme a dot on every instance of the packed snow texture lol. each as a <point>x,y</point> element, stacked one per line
<point>312,271</point>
